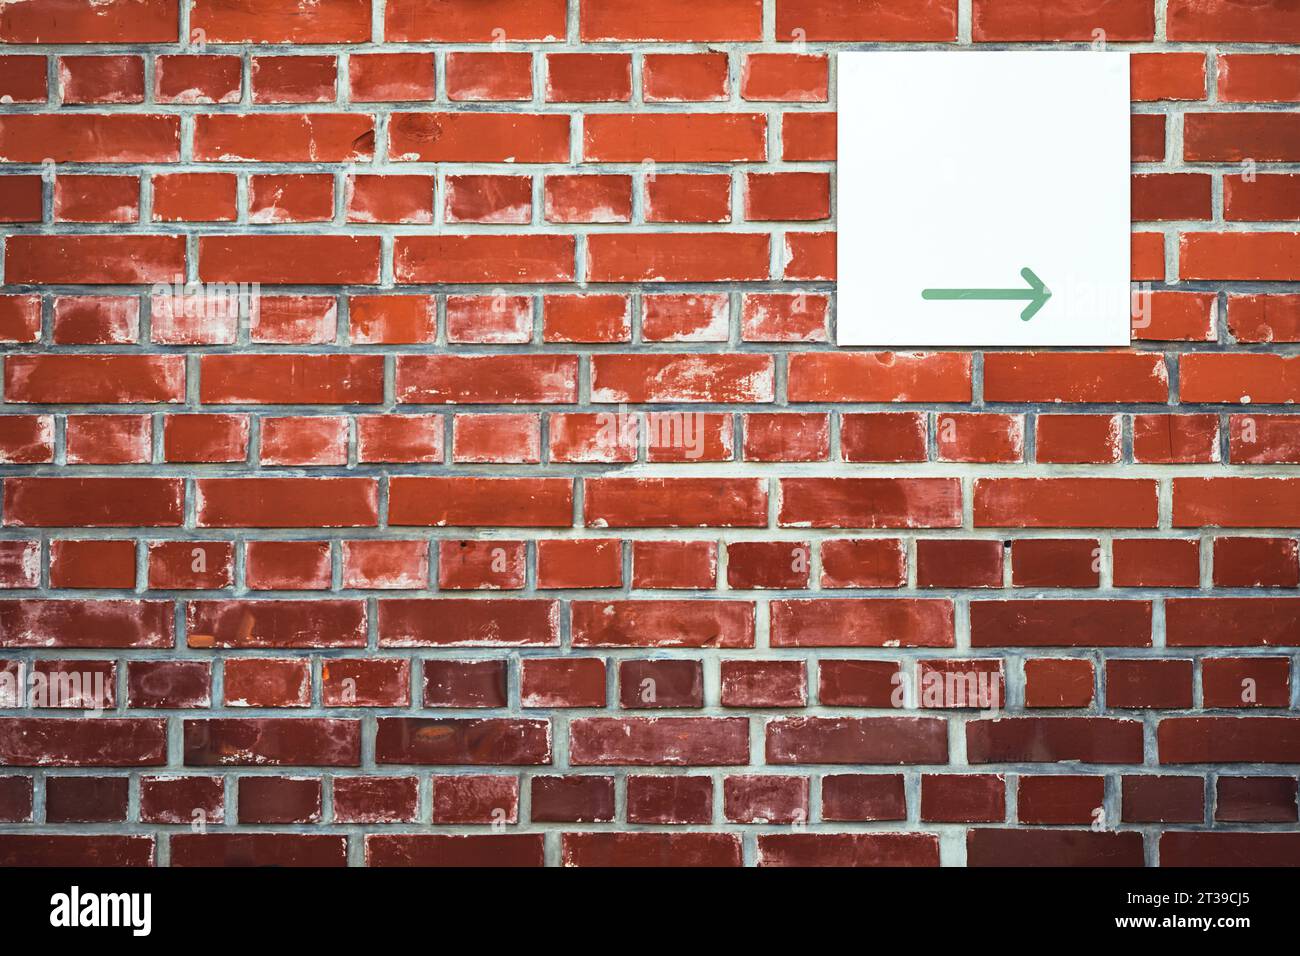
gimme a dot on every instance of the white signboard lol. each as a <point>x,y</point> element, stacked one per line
<point>983,198</point>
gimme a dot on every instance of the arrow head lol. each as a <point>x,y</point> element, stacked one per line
<point>1040,291</point>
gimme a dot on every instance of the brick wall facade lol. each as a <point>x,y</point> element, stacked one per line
<point>423,441</point>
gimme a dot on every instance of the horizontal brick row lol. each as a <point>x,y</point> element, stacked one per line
<point>625,502</point>
<point>455,564</point>
<point>641,741</point>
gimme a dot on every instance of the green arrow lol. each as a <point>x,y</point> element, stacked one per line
<point>1037,294</point>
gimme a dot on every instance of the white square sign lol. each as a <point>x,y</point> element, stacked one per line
<point>983,198</point>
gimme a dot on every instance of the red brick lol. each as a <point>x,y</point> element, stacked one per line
<point>1149,684</point>
<point>286,502</point>
<point>684,77</point>
<point>674,137</point>
<point>467,622</point>
<point>1059,563</point>
<point>258,849</point>
<point>272,742</point>
<point>1256,562</point>
<point>109,439</point>
<point>1259,78</point>
<point>294,79</point>
<point>1222,20</point>
<point>785,77</point>
<point>669,800</point>
<point>1054,739</point>
<point>1231,682</point>
<point>586,318</point>
<point>101,79</point>
<point>778,683</point>
<point>96,199</point>
<point>183,78</point>
<point>473,21</point>
<point>863,797</point>
<point>674,502</point>
<point>883,436</point>
<point>855,683</point>
<point>92,564</point>
<point>566,563</point>
<point>687,198</point>
<point>1167,76</point>
<point>188,565</point>
<point>1155,562</point>
<point>22,79</point>
<point>1065,503</point>
<point>376,799</point>
<point>573,799</point>
<point>493,564</point>
<point>318,440</point>
<point>260,682</point>
<point>463,501</point>
<point>438,850</point>
<point>483,259</point>
<point>677,257</point>
<point>289,260</point>
<point>863,563</point>
<point>284,137</point>
<point>1060,799</point>
<point>93,502</point>
<point>650,849</point>
<point>662,623</point>
<point>86,799</point>
<point>194,197</point>
<point>847,20</point>
<point>479,137</point>
<point>856,740</point>
<point>82,742</point>
<point>476,798</point>
<point>385,564</point>
<point>684,318</point>
<point>1074,848</point>
<point>1065,623</point>
<point>366,682</point>
<point>870,503</point>
<point>184,800</point>
<point>674,564</point>
<point>659,741</point>
<point>464,683</point>
<point>880,377</point>
<point>492,199</point>
<point>169,684</point>
<point>93,260</point>
<point>279,799</point>
<point>673,20</point>
<point>287,565</point>
<point>391,77</point>
<point>1075,377</point>
<point>786,436</point>
<point>963,798</point>
<point>646,685</point>
<point>282,21</point>
<point>588,77</point>
<point>562,682</point>
<point>446,741</point>
<point>280,623</point>
<point>1158,799</point>
<point>765,798</point>
<point>392,319</point>
<point>294,198</point>
<point>596,198</point>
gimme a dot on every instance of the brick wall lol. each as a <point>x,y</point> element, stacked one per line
<point>493,491</point>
